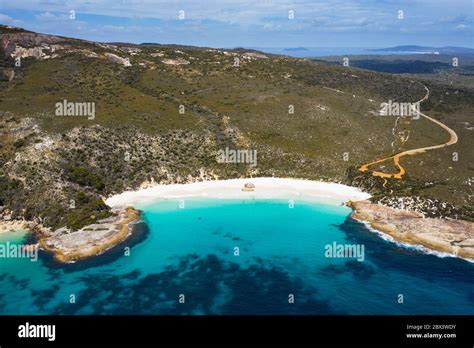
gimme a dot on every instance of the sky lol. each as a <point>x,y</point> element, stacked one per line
<point>251,23</point>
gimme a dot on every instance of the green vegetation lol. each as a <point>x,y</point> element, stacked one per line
<point>88,210</point>
<point>82,176</point>
<point>139,134</point>
<point>436,67</point>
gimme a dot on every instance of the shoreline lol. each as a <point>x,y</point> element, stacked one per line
<point>417,247</point>
<point>445,237</point>
<point>69,247</point>
<point>14,225</point>
<point>442,237</point>
<point>80,245</point>
<point>392,227</point>
<point>264,188</point>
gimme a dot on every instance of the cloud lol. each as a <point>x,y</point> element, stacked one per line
<point>5,19</point>
<point>249,12</point>
<point>51,17</point>
<point>461,27</point>
<point>229,11</point>
<point>233,21</point>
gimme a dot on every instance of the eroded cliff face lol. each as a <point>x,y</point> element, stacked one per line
<point>10,41</point>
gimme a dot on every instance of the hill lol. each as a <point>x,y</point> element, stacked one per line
<point>162,112</point>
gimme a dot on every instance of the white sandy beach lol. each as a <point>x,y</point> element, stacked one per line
<point>265,188</point>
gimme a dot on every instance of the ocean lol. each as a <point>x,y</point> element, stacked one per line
<point>239,257</point>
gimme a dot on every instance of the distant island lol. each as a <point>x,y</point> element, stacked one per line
<point>295,49</point>
<point>427,49</point>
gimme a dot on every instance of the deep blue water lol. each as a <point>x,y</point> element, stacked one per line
<point>190,251</point>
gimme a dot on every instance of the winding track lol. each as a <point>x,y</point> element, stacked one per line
<point>396,158</point>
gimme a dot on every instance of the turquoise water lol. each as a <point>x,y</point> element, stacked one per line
<point>281,251</point>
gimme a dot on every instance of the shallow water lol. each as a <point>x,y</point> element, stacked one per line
<point>191,251</point>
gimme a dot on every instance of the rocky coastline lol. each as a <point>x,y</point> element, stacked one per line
<point>455,237</point>
<point>93,240</point>
<point>451,236</point>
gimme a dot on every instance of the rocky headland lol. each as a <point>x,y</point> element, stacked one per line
<point>91,240</point>
<point>455,237</point>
